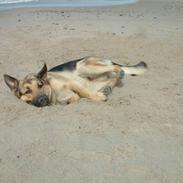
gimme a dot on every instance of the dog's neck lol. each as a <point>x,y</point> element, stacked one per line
<point>55,86</point>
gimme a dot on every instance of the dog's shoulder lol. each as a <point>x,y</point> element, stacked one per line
<point>68,66</point>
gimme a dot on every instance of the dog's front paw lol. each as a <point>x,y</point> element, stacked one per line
<point>64,102</point>
<point>100,97</point>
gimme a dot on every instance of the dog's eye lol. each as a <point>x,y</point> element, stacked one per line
<point>28,91</point>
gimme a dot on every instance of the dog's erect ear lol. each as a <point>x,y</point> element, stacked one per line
<point>42,74</point>
<point>11,82</point>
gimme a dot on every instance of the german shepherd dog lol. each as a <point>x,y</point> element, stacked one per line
<point>88,77</point>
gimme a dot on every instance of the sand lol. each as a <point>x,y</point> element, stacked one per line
<point>134,137</point>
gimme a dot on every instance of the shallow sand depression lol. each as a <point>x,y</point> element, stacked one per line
<point>134,137</point>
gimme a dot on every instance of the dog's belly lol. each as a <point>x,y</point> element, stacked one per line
<point>92,84</point>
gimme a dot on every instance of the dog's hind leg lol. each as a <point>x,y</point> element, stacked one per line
<point>93,67</point>
<point>97,70</point>
<point>111,83</point>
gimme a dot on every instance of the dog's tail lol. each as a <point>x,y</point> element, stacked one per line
<point>134,70</point>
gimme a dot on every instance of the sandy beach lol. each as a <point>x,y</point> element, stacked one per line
<point>134,137</point>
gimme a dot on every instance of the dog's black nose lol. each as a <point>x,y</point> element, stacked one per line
<point>41,101</point>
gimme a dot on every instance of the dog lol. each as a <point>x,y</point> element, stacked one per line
<point>89,77</point>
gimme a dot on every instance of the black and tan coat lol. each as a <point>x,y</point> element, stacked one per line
<point>89,77</point>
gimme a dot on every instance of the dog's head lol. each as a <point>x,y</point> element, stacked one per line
<point>33,89</point>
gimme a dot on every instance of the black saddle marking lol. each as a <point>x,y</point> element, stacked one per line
<point>68,66</point>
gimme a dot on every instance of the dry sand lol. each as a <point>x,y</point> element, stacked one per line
<point>135,137</point>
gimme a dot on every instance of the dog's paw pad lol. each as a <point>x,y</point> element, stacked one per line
<point>106,90</point>
<point>121,75</point>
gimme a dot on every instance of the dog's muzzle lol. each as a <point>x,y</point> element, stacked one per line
<point>41,101</point>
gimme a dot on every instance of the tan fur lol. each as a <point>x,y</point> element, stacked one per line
<point>90,79</point>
